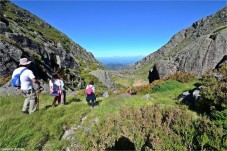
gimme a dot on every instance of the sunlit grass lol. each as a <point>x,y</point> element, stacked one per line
<point>27,131</point>
<point>47,125</point>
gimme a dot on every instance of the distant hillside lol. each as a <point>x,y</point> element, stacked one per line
<point>118,63</point>
<point>23,34</point>
<point>119,60</point>
<point>195,49</point>
<point>116,66</point>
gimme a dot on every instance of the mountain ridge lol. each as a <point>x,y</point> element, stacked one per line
<point>205,36</point>
<point>23,34</point>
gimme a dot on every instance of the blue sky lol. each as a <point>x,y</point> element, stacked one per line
<point>121,28</point>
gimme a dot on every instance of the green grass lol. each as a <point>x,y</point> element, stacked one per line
<point>47,125</point>
<point>23,131</point>
<point>219,29</point>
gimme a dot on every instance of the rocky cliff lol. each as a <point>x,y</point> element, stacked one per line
<point>195,49</point>
<point>23,34</point>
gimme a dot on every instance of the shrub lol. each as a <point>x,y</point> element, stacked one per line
<point>155,128</point>
<point>214,91</point>
<point>4,80</point>
<point>181,77</point>
<point>208,136</point>
<point>166,86</point>
<point>143,89</point>
<point>220,119</point>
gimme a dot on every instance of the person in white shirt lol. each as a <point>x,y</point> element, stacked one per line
<point>27,79</point>
<point>55,89</point>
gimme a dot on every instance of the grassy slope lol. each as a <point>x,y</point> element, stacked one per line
<point>46,126</point>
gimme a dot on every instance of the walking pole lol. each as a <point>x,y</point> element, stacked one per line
<point>37,93</point>
<point>39,89</point>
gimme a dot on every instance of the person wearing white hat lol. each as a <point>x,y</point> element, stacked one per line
<point>27,79</point>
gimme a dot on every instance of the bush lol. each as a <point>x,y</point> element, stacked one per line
<point>208,136</point>
<point>155,128</point>
<point>183,77</point>
<point>214,91</point>
<point>166,86</point>
<point>4,80</point>
<point>220,119</point>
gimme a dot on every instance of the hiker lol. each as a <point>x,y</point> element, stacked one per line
<point>55,89</point>
<point>90,91</point>
<point>63,94</point>
<point>27,79</point>
<point>129,90</point>
<point>133,92</point>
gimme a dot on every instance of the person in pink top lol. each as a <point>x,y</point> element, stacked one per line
<point>90,91</point>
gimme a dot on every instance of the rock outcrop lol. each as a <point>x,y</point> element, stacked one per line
<point>104,77</point>
<point>195,49</point>
<point>23,34</point>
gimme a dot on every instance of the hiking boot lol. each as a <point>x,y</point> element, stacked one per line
<point>25,112</point>
<point>54,105</point>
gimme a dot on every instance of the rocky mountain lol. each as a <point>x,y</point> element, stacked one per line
<point>195,49</point>
<point>23,34</point>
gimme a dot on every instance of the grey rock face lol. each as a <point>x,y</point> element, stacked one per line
<point>165,67</point>
<point>202,54</point>
<point>2,27</point>
<point>9,57</point>
<point>222,62</point>
<point>26,35</point>
<point>22,40</point>
<point>196,49</point>
<point>7,90</point>
<point>104,77</point>
<point>197,57</point>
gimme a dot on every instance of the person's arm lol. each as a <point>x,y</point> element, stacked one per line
<point>32,77</point>
<point>93,89</point>
<point>36,81</point>
<point>62,84</point>
<point>60,89</point>
<point>58,83</point>
<point>51,86</point>
<point>86,89</point>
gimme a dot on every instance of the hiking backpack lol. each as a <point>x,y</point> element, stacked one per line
<point>16,79</point>
<point>55,87</point>
<point>89,91</point>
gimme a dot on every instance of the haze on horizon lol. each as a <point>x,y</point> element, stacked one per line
<point>121,28</point>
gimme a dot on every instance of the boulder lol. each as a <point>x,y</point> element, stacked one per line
<point>9,57</point>
<point>2,27</point>
<point>162,69</point>
<point>191,97</point>
<point>104,77</point>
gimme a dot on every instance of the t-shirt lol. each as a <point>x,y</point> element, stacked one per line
<point>92,87</point>
<point>56,82</point>
<point>25,78</point>
<point>62,84</point>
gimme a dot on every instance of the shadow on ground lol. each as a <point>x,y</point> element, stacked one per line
<point>67,103</point>
<point>97,103</point>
